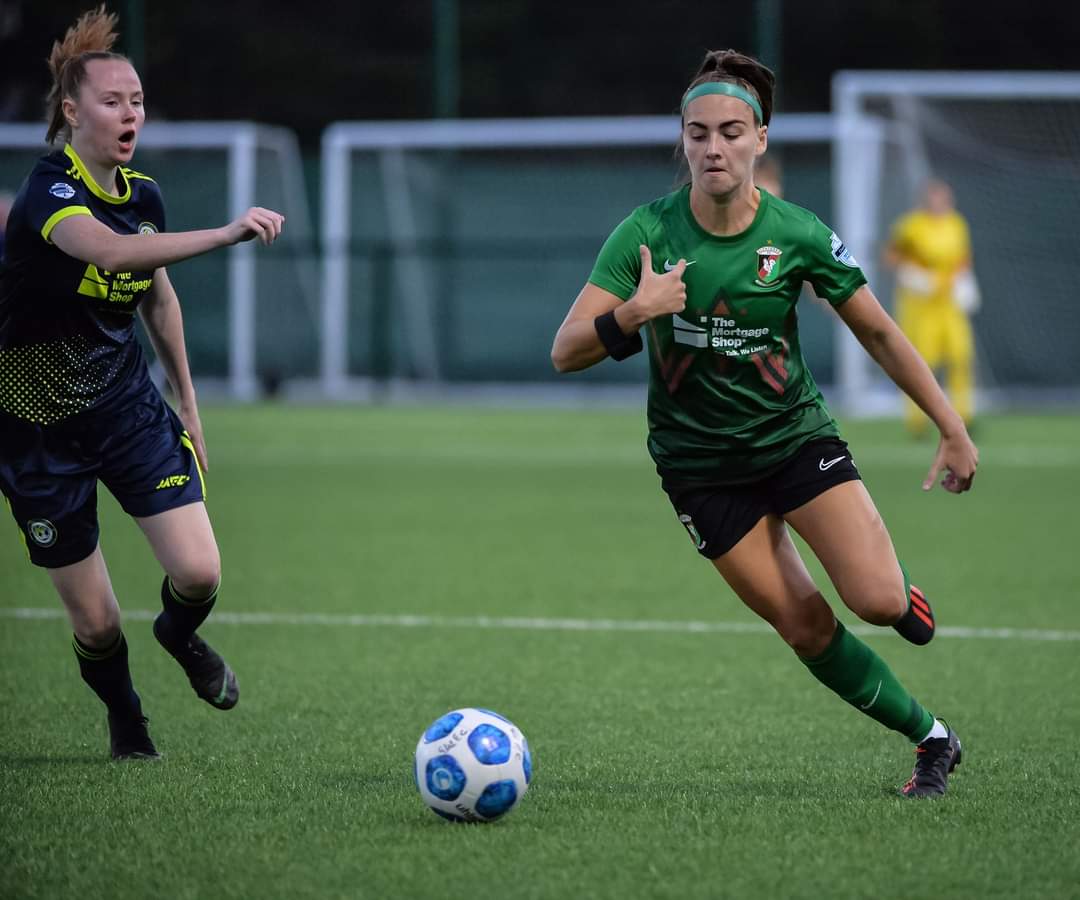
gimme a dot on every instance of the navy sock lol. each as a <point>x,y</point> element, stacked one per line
<point>106,671</point>
<point>181,615</point>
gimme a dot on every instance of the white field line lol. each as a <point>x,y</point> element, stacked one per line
<point>629,453</point>
<point>542,624</point>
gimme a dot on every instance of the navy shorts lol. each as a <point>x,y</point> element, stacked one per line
<point>718,517</point>
<point>49,473</point>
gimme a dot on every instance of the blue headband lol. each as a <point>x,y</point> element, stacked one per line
<point>724,87</point>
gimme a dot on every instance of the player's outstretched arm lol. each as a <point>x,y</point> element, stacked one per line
<point>891,350</point>
<point>577,343</point>
<point>87,239</point>
<point>160,312</point>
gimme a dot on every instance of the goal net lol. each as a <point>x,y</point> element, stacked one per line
<point>1009,146</point>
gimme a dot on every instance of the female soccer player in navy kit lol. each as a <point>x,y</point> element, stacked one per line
<point>86,249</point>
<point>740,434</point>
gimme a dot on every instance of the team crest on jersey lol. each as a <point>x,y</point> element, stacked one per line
<point>768,265</point>
<point>62,190</point>
<point>42,532</point>
<point>147,228</point>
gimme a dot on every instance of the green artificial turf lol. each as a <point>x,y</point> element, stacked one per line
<point>671,760</point>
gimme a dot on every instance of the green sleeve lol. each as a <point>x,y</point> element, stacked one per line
<point>618,267</point>
<point>831,268</point>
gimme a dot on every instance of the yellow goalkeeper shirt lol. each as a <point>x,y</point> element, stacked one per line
<point>939,244</point>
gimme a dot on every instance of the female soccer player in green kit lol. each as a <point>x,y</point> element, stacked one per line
<point>740,434</point>
<point>86,250</point>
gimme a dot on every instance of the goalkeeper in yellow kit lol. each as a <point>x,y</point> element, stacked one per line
<point>936,292</point>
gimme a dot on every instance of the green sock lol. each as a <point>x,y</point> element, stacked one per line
<point>860,676</point>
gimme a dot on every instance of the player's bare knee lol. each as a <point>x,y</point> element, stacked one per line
<point>98,629</point>
<point>198,579</point>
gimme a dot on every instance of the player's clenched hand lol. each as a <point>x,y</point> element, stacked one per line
<point>658,295</point>
<point>264,224</point>
<point>959,457</point>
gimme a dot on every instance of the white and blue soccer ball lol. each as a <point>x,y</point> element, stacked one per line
<point>472,765</point>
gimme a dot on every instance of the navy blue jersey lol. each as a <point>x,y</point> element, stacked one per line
<point>67,328</point>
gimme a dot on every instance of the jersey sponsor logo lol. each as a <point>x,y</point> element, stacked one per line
<point>691,529</point>
<point>42,532</point>
<point>93,284</point>
<point>721,334</point>
<point>768,265</point>
<point>171,481</point>
<point>62,190</point>
<point>840,252</point>
<point>115,287</point>
<point>825,466</point>
<point>669,265</point>
<point>147,228</point>
<point>688,333</point>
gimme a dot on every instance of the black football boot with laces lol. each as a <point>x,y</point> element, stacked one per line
<point>935,759</point>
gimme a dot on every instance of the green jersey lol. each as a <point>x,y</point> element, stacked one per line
<point>730,397</point>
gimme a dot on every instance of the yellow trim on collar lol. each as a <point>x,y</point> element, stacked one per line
<point>95,188</point>
<point>57,217</point>
<point>131,173</point>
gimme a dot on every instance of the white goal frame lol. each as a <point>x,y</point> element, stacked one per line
<point>242,141</point>
<point>858,152</point>
<point>390,140</point>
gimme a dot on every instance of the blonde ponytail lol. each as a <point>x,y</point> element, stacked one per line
<point>91,37</point>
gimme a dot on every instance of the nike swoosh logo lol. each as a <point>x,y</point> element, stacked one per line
<point>873,699</point>
<point>669,265</point>
<point>832,462</point>
<point>224,688</point>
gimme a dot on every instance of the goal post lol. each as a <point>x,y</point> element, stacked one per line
<point>1008,143</point>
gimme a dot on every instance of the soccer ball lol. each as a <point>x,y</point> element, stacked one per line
<point>472,765</point>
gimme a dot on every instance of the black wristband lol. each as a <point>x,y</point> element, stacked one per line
<point>618,344</point>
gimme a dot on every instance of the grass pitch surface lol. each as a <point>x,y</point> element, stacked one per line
<point>387,548</point>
